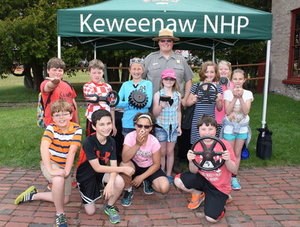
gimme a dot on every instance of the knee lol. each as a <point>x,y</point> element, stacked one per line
<point>165,188</point>
<point>177,182</point>
<point>119,182</point>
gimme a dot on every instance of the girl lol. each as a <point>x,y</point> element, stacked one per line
<point>136,70</point>
<point>236,122</point>
<point>208,74</point>
<point>168,116</point>
<point>141,151</point>
<point>225,70</point>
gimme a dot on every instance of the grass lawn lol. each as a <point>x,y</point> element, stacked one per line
<point>20,136</point>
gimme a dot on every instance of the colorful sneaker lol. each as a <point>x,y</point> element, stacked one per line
<point>235,184</point>
<point>170,179</point>
<point>148,190</point>
<point>127,198</point>
<point>113,214</point>
<point>196,201</point>
<point>61,220</point>
<point>26,195</point>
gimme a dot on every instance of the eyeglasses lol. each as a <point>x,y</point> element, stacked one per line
<point>57,115</point>
<point>136,60</point>
<point>166,40</point>
<point>169,78</point>
<point>143,126</point>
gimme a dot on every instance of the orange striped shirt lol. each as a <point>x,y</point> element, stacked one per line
<point>61,141</point>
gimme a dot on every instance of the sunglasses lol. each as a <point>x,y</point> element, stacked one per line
<point>143,126</point>
<point>166,40</point>
<point>136,60</point>
<point>169,78</point>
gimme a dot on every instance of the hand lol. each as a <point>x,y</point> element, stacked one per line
<point>190,155</point>
<point>194,99</point>
<point>114,131</point>
<point>164,104</point>
<point>179,131</point>
<point>226,155</point>
<point>140,138</point>
<point>238,92</point>
<point>54,80</point>
<point>136,182</point>
<point>128,170</point>
<point>219,98</point>
<point>108,190</point>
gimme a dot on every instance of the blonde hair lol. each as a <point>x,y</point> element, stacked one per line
<point>96,64</point>
<point>61,106</point>
<point>228,64</point>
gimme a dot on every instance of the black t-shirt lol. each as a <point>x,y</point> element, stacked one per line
<point>92,149</point>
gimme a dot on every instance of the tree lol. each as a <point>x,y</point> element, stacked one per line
<point>28,36</point>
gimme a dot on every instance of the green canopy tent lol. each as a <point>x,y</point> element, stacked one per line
<point>132,24</point>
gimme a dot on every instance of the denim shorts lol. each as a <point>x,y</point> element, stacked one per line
<point>163,136</point>
<point>241,136</point>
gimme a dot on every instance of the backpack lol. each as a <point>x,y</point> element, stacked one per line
<point>41,110</point>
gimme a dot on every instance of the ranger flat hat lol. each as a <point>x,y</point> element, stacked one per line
<point>165,33</point>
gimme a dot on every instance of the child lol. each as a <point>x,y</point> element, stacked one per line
<point>60,142</point>
<point>136,70</point>
<point>141,151</point>
<point>55,87</point>
<point>224,68</point>
<point>236,122</point>
<point>168,116</point>
<point>99,87</point>
<point>208,74</point>
<point>215,184</point>
<point>97,166</point>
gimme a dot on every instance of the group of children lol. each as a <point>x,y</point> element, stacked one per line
<point>150,138</point>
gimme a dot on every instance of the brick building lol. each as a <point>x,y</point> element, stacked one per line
<point>285,48</point>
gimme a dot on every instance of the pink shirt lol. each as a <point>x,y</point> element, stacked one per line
<point>219,115</point>
<point>143,157</point>
<point>220,178</point>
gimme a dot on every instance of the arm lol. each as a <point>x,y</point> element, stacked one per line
<point>76,116</point>
<point>114,131</point>
<point>51,84</point>
<point>110,169</point>
<point>129,152</point>
<point>219,102</point>
<point>179,116</point>
<point>70,159</point>
<point>157,106</point>
<point>123,103</point>
<point>191,156</point>
<point>149,93</point>
<point>187,89</point>
<point>45,155</point>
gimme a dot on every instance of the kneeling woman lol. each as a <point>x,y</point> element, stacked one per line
<point>141,150</point>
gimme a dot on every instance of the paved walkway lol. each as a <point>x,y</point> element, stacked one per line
<point>270,197</point>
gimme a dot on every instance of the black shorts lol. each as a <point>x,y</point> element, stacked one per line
<point>92,189</point>
<point>141,170</point>
<point>215,200</point>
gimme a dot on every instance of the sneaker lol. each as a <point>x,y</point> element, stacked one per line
<point>26,195</point>
<point>127,198</point>
<point>170,179</point>
<point>196,201</point>
<point>235,184</point>
<point>61,220</point>
<point>148,190</point>
<point>113,213</point>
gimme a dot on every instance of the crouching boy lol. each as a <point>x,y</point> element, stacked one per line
<point>97,170</point>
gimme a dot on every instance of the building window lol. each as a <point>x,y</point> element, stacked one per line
<point>294,53</point>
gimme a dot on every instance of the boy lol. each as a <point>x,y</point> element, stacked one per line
<point>215,184</point>
<point>60,142</point>
<point>99,87</point>
<point>97,165</point>
<point>55,87</point>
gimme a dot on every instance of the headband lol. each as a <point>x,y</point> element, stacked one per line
<point>145,116</point>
